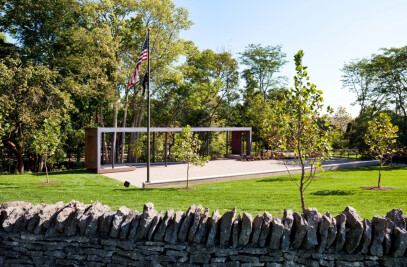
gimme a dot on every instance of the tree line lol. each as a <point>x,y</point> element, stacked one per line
<point>72,60</point>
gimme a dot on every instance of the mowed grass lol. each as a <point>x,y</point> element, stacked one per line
<point>332,192</point>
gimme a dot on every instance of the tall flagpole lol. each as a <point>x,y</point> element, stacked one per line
<point>148,107</point>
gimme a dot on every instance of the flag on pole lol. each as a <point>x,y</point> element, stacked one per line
<point>142,57</point>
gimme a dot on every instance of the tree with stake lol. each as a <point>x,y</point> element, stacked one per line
<point>306,131</point>
<point>186,148</point>
<point>381,137</point>
<point>46,141</point>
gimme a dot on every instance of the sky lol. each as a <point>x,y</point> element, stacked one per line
<point>331,33</point>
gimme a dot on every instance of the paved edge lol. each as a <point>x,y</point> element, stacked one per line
<point>249,175</point>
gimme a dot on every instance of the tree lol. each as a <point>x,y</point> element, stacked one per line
<point>262,64</point>
<point>307,132</point>
<point>29,94</point>
<point>381,137</point>
<point>380,85</point>
<point>46,141</point>
<point>186,148</point>
<point>340,120</point>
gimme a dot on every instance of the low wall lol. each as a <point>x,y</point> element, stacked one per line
<point>76,234</point>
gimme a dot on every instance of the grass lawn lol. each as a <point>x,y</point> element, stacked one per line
<point>332,192</point>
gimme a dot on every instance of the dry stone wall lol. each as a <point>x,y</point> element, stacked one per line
<point>76,234</point>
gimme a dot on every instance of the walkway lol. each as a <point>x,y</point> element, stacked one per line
<point>218,170</point>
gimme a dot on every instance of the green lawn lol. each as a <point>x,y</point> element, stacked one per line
<point>332,192</point>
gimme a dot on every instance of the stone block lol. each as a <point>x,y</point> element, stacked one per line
<point>164,225</point>
<point>246,229</point>
<point>341,231</point>
<point>277,230</point>
<point>126,224</point>
<point>237,223</point>
<point>388,236</point>
<point>184,228</point>
<point>118,219</point>
<point>399,242</point>
<point>195,222</point>
<point>105,222</point>
<point>171,235</point>
<point>265,229</point>
<point>200,258</point>
<point>200,235</point>
<point>366,237</point>
<point>245,258</point>
<point>154,225</point>
<point>213,228</point>
<point>225,228</point>
<point>287,221</point>
<point>355,232</point>
<point>300,230</point>
<point>379,228</point>
<point>147,218</point>
<point>257,223</point>
<point>312,216</point>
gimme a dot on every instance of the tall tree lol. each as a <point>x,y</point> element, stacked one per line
<point>262,65</point>
<point>30,95</point>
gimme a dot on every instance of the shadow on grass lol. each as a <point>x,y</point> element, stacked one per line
<point>372,168</point>
<point>77,171</point>
<point>167,189</point>
<point>274,179</point>
<point>332,193</point>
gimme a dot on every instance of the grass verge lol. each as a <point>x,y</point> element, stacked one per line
<point>332,192</point>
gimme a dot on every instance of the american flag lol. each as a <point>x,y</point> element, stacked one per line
<point>142,57</point>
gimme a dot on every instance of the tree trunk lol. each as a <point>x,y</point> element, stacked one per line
<point>136,122</point>
<point>40,163</point>
<point>302,185</point>
<point>17,152</point>
<point>46,169</point>
<point>380,174</point>
<point>188,175</point>
<point>302,199</point>
<point>126,104</point>
<point>113,147</point>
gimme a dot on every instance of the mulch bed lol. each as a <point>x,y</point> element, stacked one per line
<point>52,182</point>
<point>377,188</point>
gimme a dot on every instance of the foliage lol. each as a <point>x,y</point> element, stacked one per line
<point>307,132</point>
<point>262,64</point>
<point>380,85</point>
<point>341,120</point>
<point>187,147</point>
<point>30,94</point>
<point>381,137</point>
<point>46,140</point>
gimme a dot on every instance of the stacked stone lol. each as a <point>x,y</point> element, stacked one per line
<point>76,233</point>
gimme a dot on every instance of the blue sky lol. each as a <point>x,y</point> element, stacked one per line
<point>331,33</point>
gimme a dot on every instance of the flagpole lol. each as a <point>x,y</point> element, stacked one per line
<point>148,107</point>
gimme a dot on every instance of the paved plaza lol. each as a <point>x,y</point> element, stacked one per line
<point>219,170</point>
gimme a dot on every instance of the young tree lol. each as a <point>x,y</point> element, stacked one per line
<point>186,148</point>
<point>380,137</point>
<point>46,141</point>
<point>306,131</point>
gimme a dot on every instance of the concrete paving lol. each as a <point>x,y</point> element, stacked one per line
<point>218,170</point>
